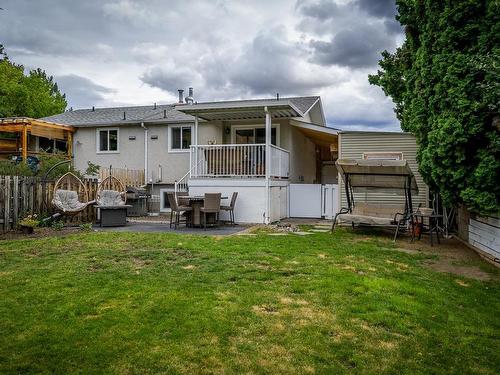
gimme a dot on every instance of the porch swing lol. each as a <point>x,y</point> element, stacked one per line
<point>371,178</point>
<point>112,201</point>
<point>70,196</point>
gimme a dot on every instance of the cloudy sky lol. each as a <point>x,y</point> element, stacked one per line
<point>122,52</point>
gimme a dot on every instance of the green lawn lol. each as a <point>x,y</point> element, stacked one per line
<point>164,303</point>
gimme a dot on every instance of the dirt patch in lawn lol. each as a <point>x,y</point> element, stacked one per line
<point>453,257</point>
<point>39,233</point>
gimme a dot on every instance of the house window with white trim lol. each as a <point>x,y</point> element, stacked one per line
<point>180,138</point>
<point>107,140</point>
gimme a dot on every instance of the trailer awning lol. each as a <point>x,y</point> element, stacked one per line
<point>377,174</point>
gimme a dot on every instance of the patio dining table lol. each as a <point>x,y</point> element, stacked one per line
<point>196,202</point>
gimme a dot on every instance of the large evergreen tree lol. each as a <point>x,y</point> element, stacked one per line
<point>32,95</point>
<point>444,81</point>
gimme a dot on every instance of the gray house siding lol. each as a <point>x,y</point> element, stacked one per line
<point>354,144</point>
<point>131,151</point>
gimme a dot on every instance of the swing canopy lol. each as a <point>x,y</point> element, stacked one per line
<point>363,174</point>
<point>390,176</point>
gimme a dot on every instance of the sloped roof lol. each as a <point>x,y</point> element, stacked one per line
<point>114,116</point>
<point>167,113</point>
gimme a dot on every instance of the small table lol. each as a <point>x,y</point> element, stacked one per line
<point>113,216</point>
<point>196,202</point>
<point>433,225</point>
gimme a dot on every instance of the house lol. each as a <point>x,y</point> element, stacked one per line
<point>278,154</point>
<point>256,147</point>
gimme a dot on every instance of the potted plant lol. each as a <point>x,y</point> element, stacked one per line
<point>28,224</point>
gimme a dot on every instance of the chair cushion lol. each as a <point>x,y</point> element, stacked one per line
<point>365,219</point>
<point>67,201</point>
<point>110,198</point>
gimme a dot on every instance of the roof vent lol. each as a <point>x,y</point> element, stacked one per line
<point>124,115</point>
<point>181,96</point>
<point>93,109</point>
<point>154,106</point>
<point>277,96</point>
<point>164,113</point>
<point>190,98</point>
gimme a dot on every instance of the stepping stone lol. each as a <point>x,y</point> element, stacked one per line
<point>319,230</point>
<point>277,234</point>
<point>303,233</point>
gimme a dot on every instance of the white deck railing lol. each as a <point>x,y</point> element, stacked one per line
<point>238,160</point>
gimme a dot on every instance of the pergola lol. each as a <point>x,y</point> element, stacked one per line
<point>25,126</point>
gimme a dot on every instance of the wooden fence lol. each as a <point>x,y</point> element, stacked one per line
<point>484,234</point>
<point>128,177</point>
<point>21,196</point>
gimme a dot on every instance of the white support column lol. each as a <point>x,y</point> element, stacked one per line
<point>268,165</point>
<point>196,146</point>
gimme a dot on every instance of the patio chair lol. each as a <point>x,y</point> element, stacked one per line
<point>230,208</point>
<point>176,209</point>
<point>211,205</point>
<point>180,200</point>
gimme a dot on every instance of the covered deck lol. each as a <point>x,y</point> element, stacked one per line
<point>26,130</point>
<point>256,160</point>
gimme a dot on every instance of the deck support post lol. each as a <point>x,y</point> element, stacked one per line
<point>196,147</point>
<point>268,166</point>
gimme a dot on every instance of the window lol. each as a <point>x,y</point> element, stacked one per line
<point>253,135</point>
<point>107,140</point>
<point>383,155</point>
<point>180,138</point>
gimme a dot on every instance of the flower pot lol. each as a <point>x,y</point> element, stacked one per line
<point>26,230</point>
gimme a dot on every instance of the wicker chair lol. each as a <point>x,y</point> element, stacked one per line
<point>177,209</point>
<point>211,205</point>
<point>230,208</point>
<point>180,200</point>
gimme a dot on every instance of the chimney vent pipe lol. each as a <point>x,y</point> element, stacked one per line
<point>181,96</point>
<point>190,98</point>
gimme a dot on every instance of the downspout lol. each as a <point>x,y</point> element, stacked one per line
<point>268,166</point>
<point>145,153</point>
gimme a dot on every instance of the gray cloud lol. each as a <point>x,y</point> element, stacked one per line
<point>82,92</point>
<point>167,79</point>
<point>378,8</point>
<point>358,47</point>
<point>105,52</point>
<point>322,10</point>
<point>268,65</point>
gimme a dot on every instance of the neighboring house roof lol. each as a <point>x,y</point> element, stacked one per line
<point>115,116</point>
<point>171,113</point>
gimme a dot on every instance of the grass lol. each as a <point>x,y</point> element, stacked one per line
<point>165,303</point>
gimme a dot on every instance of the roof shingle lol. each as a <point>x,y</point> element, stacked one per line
<point>148,114</point>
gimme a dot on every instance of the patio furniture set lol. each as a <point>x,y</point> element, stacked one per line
<point>199,211</point>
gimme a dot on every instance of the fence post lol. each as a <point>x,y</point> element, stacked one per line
<point>15,201</point>
<point>6,214</point>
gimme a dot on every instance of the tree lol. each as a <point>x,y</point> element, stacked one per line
<point>444,81</point>
<point>33,95</point>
